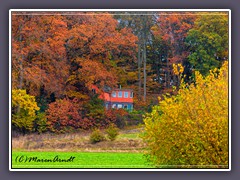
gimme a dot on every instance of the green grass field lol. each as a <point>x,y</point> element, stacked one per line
<point>81,160</point>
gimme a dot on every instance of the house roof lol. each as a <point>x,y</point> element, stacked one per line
<point>121,100</point>
<point>114,89</point>
<point>106,96</point>
<point>122,89</point>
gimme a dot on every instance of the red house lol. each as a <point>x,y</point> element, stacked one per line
<point>117,98</point>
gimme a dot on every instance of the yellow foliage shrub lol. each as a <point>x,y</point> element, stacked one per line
<point>177,69</point>
<point>190,130</point>
<point>24,107</point>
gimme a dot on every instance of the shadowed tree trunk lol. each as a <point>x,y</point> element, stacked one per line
<point>144,70</point>
<point>139,70</point>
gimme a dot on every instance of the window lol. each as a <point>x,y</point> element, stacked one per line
<point>119,106</point>
<point>114,106</point>
<point>126,94</point>
<point>131,95</point>
<point>114,94</point>
<point>120,94</point>
<point>130,107</point>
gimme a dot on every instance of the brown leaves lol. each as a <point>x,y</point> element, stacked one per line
<point>41,46</point>
<point>173,29</point>
<point>64,114</point>
<point>97,35</point>
<point>93,72</point>
<point>38,48</point>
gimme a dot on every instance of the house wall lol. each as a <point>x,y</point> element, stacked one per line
<point>121,99</point>
<point>119,105</point>
<point>117,101</point>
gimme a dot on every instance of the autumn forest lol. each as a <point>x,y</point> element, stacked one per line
<point>165,58</point>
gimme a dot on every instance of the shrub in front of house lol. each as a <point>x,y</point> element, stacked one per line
<point>96,136</point>
<point>112,132</point>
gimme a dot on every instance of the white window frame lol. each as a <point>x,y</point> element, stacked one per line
<point>125,94</point>
<point>119,106</point>
<point>114,94</point>
<point>131,94</point>
<point>119,92</point>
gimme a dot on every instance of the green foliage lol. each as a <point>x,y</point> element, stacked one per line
<point>191,128</point>
<point>95,109</point>
<point>96,136</point>
<point>40,123</point>
<point>112,132</point>
<point>24,107</point>
<point>22,121</point>
<point>208,42</point>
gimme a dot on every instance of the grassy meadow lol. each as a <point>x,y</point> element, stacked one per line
<point>82,160</point>
<point>127,151</point>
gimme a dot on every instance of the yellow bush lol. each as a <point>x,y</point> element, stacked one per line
<point>24,107</point>
<point>191,129</point>
<point>177,69</point>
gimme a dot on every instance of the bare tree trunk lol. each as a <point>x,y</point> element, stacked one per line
<point>144,58</point>
<point>159,64</point>
<point>168,69</point>
<point>21,73</point>
<point>139,71</point>
<point>20,85</point>
<point>144,69</point>
<point>20,59</point>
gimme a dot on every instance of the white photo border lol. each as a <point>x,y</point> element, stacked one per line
<point>117,10</point>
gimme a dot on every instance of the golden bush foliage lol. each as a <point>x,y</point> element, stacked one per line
<point>190,129</point>
<point>177,69</point>
<point>24,109</point>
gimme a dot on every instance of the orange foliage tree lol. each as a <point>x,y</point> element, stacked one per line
<point>38,53</point>
<point>65,115</point>
<point>172,28</point>
<point>94,44</point>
